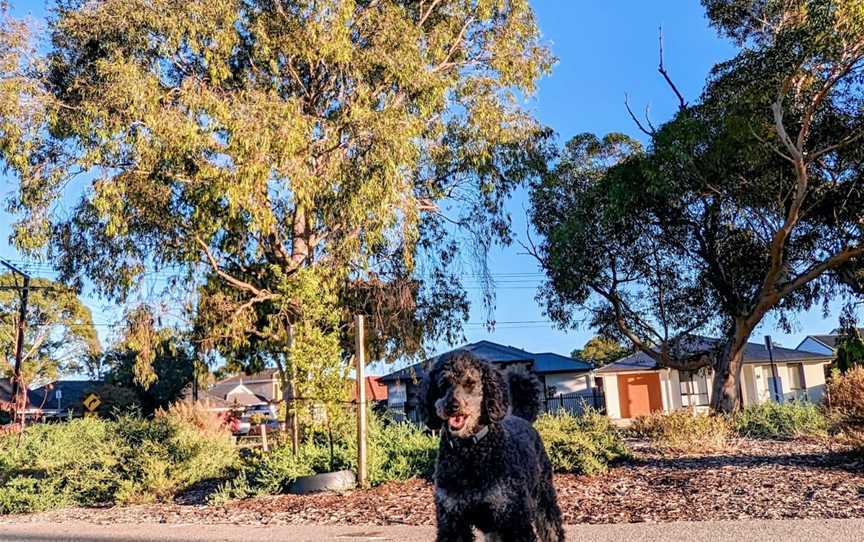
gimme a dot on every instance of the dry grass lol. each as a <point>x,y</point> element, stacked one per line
<point>846,393</point>
<point>684,431</point>
<point>206,421</point>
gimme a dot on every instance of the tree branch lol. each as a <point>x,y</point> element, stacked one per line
<point>682,104</point>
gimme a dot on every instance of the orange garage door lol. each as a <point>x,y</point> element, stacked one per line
<point>640,394</point>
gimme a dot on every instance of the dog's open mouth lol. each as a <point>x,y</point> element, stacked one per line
<point>456,422</point>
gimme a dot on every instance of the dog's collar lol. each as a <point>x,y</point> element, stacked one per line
<point>474,439</point>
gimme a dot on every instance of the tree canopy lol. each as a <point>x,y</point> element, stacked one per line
<point>601,351</point>
<point>59,335</point>
<point>748,203</point>
<point>296,161</point>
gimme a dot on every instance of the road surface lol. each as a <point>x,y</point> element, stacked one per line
<point>710,531</point>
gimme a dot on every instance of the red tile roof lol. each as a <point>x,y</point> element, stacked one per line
<point>375,390</point>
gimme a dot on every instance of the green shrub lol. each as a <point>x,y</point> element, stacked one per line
<point>684,431</point>
<point>399,451</point>
<point>584,444</point>
<point>59,465</point>
<point>88,462</point>
<point>771,420</point>
<point>395,451</point>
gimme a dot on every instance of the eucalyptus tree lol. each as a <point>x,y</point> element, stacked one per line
<point>294,159</point>
<point>59,335</point>
<point>748,203</point>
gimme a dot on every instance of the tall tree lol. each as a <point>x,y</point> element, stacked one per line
<point>306,158</point>
<point>601,351</point>
<point>748,203</point>
<point>59,334</point>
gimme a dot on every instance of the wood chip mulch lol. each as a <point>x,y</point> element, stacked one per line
<point>756,480</point>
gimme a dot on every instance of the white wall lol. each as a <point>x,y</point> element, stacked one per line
<point>568,382</point>
<point>814,380</point>
<point>610,391</point>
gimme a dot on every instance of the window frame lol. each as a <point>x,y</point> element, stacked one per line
<point>688,388</point>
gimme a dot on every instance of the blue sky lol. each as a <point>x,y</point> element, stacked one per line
<point>605,49</point>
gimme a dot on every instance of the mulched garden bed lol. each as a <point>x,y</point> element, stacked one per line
<point>758,480</point>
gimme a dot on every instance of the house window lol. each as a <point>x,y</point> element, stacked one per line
<point>796,377</point>
<point>694,389</point>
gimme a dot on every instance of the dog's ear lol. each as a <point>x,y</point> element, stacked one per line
<point>495,400</point>
<point>430,392</point>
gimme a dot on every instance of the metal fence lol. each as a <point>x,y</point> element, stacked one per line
<point>576,403</point>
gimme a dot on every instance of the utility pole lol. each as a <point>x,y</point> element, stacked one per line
<point>19,341</point>
<point>360,356</point>
<point>776,390</point>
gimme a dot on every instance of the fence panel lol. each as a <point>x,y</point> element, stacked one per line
<point>576,403</point>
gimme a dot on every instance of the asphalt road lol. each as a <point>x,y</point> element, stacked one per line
<point>711,531</point>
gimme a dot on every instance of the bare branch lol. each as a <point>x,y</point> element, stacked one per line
<point>636,120</point>
<point>682,104</point>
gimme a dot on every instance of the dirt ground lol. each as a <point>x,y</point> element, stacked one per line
<point>758,480</point>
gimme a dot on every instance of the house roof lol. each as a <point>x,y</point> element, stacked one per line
<point>546,362</point>
<point>375,389</point>
<point>244,399</point>
<point>549,362</point>
<point>265,375</point>
<point>753,353</point>
<point>830,340</point>
<point>205,397</point>
<point>72,393</point>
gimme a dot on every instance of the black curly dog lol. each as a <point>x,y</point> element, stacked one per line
<point>493,472</point>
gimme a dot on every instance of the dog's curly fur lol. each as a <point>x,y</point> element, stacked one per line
<point>493,472</point>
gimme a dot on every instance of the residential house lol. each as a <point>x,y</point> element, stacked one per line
<point>206,399</point>
<point>376,391</point>
<point>243,391</point>
<point>567,382</point>
<point>823,344</point>
<point>636,385</point>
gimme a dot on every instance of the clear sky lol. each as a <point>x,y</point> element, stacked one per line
<point>605,49</point>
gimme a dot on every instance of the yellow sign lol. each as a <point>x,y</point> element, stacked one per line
<point>92,402</point>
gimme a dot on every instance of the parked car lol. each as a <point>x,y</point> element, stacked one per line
<point>240,426</point>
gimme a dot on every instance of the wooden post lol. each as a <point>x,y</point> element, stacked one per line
<point>289,395</point>
<point>361,401</point>
<point>264,437</point>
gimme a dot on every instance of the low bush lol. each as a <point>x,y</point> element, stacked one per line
<point>90,461</point>
<point>584,444</point>
<point>771,420</point>
<point>846,396</point>
<point>684,431</point>
<point>395,451</point>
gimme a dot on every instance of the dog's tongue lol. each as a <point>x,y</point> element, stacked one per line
<point>456,422</point>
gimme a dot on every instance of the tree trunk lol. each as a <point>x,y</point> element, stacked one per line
<point>725,397</point>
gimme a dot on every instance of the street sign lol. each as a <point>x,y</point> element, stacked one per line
<point>92,402</point>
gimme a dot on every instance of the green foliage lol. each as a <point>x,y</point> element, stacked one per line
<point>601,351</point>
<point>684,431</point>
<point>850,350</point>
<point>747,202</point>
<point>395,451</point>
<point>299,152</point>
<point>116,401</point>
<point>584,444</point>
<point>90,462</point>
<point>159,379</point>
<point>772,420</point>
<point>60,337</point>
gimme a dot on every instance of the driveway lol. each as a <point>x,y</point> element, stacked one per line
<point>709,531</point>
